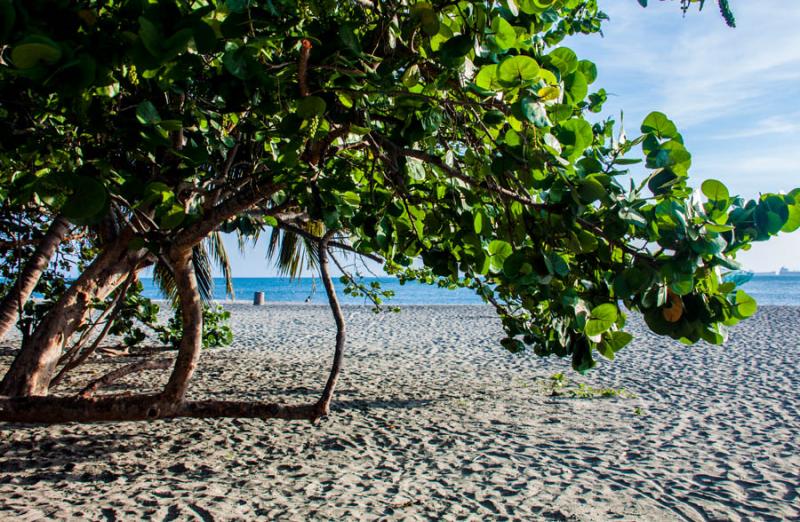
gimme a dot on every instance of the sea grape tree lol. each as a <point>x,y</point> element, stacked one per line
<point>451,140</point>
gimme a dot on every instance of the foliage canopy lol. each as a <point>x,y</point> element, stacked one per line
<point>459,134</point>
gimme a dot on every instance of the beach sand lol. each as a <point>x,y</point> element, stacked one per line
<point>433,420</point>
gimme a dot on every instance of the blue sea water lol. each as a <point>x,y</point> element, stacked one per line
<point>766,289</point>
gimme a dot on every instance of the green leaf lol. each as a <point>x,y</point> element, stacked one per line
<point>477,222</point>
<point>793,222</point>
<point>150,36</point>
<point>172,217</point>
<point>576,86</point>
<point>715,190</point>
<point>311,107</point>
<point>634,218</point>
<point>455,48</point>
<point>504,35</point>
<point>147,114</point>
<point>575,136</point>
<point>590,190</point>
<point>660,125</point>
<point>556,264</point>
<point>517,69</point>
<point>494,117</point>
<point>746,306</point>
<point>601,318</point>
<point>38,50</point>
<point>88,198</point>
<point>487,78</point>
<point>534,111</point>
<point>424,14</point>
<point>498,251</point>
<point>588,70</point>
<point>205,39</point>
<point>564,59</point>
<point>237,62</point>
<point>613,342</point>
<point>237,6</point>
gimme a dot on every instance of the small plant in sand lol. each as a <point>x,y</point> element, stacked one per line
<point>558,385</point>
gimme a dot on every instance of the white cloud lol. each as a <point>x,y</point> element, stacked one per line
<point>771,125</point>
<point>696,69</point>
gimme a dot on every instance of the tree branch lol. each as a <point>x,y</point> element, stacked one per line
<point>110,377</point>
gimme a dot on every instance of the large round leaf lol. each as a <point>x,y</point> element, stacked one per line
<point>311,107</point>
<point>517,69</point>
<point>715,190</point>
<point>564,59</point>
<point>35,52</point>
<point>601,318</point>
<point>88,198</point>
<point>660,125</point>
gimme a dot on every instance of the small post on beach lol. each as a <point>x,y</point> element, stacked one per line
<point>258,298</point>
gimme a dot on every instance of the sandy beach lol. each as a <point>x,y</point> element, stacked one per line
<point>433,420</point>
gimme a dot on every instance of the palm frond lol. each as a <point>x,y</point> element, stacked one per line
<point>165,279</point>
<point>294,253</point>
<point>202,273</point>
<point>217,252</point>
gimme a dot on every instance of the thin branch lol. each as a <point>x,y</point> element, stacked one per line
<point>111,377</point>
<point>114,309</point>
<point>455,173</point>
<point>302,67</point>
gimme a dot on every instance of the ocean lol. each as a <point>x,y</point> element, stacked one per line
<point>766,289</point>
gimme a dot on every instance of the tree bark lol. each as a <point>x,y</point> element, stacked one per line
<point>119,373</point>
<point>324,403</point>
<point>27,279</point>
<point>52,410</point>
<point>33,368</point>
<point>192,320</point>
<point>73,359</point>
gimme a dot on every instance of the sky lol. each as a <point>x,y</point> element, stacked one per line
<point>734,94</point>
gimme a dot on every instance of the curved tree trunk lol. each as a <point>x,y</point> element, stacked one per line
<point>192,320</point>
<point>27,279</point>
<point>171,402</point>
<point>32,369</point>
<point>324,404</point>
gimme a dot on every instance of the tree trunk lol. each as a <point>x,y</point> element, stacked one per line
<point>32,369</point>
<point>52,410</point>
<point>192,320</point>
<point>324,403</point>
<point>73,360</point>
<point>27,279</point>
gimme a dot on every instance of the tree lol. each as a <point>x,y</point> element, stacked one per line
<point>456,133</point>
<point>28,277</point>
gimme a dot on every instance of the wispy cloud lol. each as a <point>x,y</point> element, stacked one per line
<point>771,125</point>
<point>695,68</point>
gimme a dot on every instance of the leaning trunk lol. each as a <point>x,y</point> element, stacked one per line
<point>32,369</point>
<point>27,279</point>
<point>324,403</point>
<point>192,320</point>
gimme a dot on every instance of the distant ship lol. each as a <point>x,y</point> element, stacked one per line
<point>785,271</point>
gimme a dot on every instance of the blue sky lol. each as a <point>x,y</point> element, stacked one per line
<point>734,94</point>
